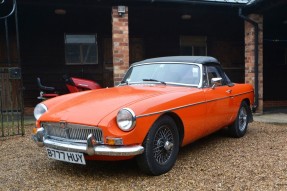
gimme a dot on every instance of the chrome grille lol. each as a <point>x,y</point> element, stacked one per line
<point>73,132</point>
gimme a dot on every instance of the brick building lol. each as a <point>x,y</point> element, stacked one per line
<point>243,34</point>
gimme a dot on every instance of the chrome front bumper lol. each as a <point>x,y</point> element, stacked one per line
<point>90,148</point>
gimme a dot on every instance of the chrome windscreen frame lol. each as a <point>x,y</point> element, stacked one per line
<point>200,85</point>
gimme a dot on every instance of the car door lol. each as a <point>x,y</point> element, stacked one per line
<point>218,99</point>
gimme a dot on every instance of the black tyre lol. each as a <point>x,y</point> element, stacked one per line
<point>161,147</point>
<point>239,127</point>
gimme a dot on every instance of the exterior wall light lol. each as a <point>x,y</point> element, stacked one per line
<point>186,17</point>
<point>60,11</point>
<point>121,10</point>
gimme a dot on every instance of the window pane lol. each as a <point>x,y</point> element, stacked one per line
<point>186,50</point>
<point>193,45</point>
<point>81,49</point>
<point>72,53</point>
<point>199,51</point>
<point>89,55</point>
<point>79,39</point>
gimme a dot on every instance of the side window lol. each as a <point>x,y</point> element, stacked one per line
<point>213,72</point>
<point>204,78</point>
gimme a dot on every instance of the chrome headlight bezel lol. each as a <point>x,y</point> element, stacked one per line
<point>39,110</point>
<point>126,119</point>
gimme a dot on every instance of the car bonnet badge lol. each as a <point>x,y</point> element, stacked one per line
<point>63,124</point>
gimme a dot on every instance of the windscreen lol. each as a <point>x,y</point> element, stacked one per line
<point>170,73</point>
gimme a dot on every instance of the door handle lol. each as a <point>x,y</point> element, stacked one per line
<point>228,91</point>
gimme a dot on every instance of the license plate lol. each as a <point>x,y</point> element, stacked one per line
<point>66,156</point>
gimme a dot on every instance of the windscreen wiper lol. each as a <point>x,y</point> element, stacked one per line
<point>154,80</point>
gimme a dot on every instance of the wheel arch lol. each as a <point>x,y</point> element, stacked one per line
<point>179,124</point>
<point>249,111</point>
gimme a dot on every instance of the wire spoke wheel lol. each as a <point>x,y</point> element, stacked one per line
<point>163,145</point>
<point>242,119</point>
<point>240,125</point>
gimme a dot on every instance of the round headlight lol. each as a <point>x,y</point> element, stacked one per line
<point>126,119</point>
<point>39,110</point>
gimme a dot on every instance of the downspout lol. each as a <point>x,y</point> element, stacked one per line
<point>256,52</point>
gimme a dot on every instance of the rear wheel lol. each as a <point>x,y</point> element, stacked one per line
<point>161,147</point>
<point>239,127</point>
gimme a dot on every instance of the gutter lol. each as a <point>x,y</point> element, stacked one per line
<point>203,2</point>
<point>197,2</point>
<point>256,52</point>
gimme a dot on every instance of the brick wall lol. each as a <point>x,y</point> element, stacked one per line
<point>120,36</point>
<point>250,56</point>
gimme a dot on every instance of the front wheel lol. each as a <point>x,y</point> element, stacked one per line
<point>161,147</point>
<point>239,127</point>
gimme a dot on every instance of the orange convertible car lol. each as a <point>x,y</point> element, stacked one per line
<point>161,105</point>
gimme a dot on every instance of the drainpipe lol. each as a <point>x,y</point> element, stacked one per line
<point>256,52</point>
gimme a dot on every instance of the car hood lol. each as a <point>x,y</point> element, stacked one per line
<point>91,106</point>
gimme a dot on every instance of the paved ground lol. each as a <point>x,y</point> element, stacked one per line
<point>272,115</point>
<point>217,162</point>
<point>255,162</point>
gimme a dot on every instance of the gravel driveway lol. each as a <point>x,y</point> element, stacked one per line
<point>257,161</point>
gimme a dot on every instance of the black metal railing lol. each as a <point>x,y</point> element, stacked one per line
<point>11,88</point>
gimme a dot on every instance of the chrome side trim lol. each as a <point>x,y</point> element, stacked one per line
<point>189,105</point>
<point>172,109</point>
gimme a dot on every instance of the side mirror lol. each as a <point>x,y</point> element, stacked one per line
<point>216,82</point>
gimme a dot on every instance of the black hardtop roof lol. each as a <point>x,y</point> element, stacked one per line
<point>189,59</point>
